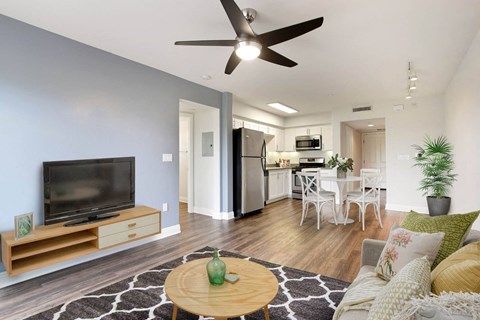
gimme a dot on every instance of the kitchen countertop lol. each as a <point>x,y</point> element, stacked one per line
<point>290,167</point>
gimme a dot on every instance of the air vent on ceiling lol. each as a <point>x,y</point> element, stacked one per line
<point>360,109</point>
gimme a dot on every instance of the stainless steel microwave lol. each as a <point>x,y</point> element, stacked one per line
<point>313,142</point>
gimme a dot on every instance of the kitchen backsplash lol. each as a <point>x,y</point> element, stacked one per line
<point>273,157</point>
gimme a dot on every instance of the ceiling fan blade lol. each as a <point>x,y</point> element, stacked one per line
<point>237,19</point>
<point>219,43</point>
<point>269,55</point>
<point>280,35</point>
<point>232,63</point>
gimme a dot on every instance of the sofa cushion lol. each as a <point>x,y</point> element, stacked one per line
<point>403,246</point>
<point>459,272</point>
<point>455,227</point>
<point>410,282</point>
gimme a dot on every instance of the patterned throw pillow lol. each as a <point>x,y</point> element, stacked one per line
<point>455,227</point>
<point>403,246</point>
<point>413,281</point>
<point>459,272</point>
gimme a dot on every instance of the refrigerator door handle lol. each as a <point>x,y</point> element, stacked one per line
<point>264,156</point>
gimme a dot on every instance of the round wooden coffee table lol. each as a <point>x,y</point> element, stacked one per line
<point>189,289</point>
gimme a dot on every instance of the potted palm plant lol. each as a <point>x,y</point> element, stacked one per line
<point>435,159</point>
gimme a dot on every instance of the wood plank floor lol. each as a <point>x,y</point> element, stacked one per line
<point>274,235</point>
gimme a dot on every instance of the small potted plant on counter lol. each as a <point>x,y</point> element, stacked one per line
<point>435,159</point>
<point>342,165</point>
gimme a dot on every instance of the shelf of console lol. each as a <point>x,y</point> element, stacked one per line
<point>56,243</point>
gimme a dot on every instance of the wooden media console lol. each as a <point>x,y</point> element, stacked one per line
<point>56,243</point>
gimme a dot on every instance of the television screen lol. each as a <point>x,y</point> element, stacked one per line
<point>83,188</point>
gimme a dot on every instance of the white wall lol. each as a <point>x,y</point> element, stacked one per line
<point>245,111</point>
<point>308,120</point>
<point>403,128</point>
<point>206,169</point>
<point>462,115</point>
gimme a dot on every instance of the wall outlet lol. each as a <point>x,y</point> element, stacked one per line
<point>165,207</point>
<point>167,157</point>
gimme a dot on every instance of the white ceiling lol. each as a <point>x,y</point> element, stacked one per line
<point>358,56</point>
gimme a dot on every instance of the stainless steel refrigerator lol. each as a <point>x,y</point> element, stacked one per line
<point>249,165</point>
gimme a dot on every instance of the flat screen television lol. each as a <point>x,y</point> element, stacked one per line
<point>87,190</point>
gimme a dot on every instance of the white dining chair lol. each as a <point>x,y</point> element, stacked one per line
<point>312,193</point>
<point>368,194</point>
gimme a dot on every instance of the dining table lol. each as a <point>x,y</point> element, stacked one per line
<point>341,183</point>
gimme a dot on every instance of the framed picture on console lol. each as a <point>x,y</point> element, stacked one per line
<point>24,225</point>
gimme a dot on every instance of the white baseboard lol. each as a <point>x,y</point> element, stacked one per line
<point>404,208</point>
<point>214,214</point>
<point>183,199</point>
<point>6,280</point>
<point>224,216</point>
<point>203,211</point>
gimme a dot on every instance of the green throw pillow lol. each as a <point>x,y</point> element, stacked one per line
<point>455,227</point>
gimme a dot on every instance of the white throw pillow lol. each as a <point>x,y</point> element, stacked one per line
<point>413,281</point>
<point>404,246</point>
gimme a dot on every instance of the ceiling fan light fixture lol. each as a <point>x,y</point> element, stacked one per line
<point>282,107</point>
<point>248,50</point>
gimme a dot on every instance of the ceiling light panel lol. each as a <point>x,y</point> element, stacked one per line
<point>282,107</point>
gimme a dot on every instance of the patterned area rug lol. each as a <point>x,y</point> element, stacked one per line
<point>301,295</point>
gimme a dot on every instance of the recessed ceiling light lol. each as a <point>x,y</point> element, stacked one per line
<point>282,107</point>
<point>206,77</point>
<point>370,125</point>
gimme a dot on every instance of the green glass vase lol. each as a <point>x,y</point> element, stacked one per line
<point>216,270</point>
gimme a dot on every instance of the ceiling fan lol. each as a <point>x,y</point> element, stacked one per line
<point>248,45</point>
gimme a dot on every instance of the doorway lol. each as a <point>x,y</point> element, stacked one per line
<point>199,168</point>
<point>185,159</point>
<point>364,142</point>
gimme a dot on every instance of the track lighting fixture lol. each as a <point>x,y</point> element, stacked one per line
<point>411,81</point>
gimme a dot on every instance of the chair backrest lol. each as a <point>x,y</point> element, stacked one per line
<point>310,185</point>
<point>319,178</point>
<point>371,181</point>
<point>364,171</point>
<point>309,182</point>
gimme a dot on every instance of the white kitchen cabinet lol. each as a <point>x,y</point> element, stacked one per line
<point>237,123</point>
<point>308,131</point>
<point>270,140</point>
<point>278,184</point>
<point>280,140</point>
<point>251,125</point>
<point>290,134</point>
<point>327,138</point>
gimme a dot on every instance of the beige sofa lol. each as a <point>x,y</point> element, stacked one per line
<point>371,251</point>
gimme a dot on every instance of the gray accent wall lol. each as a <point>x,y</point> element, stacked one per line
<point>226,156</point>
<point>63,100</point>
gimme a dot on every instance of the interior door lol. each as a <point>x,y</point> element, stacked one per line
<point>373,153</point>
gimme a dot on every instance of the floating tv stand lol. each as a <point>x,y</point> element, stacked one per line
<point>56,243</point>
